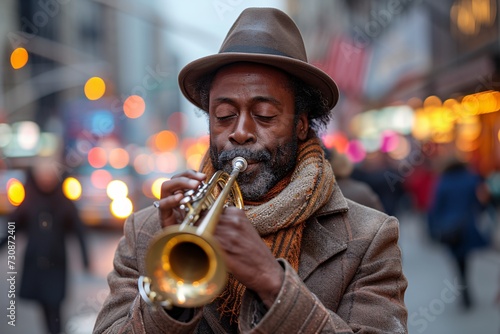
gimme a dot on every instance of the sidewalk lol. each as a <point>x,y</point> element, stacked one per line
<point>433,294</point>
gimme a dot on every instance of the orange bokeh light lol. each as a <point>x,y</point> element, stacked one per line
<point>134,106</point>
<point>165,141</point>
<point>118,158</point>
<point>19,58</point>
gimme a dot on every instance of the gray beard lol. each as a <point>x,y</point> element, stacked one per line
<point>255,185</point>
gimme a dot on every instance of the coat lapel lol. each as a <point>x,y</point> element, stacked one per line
<point>321,242</point>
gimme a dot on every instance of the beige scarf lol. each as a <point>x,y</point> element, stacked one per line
<point>280,218</point>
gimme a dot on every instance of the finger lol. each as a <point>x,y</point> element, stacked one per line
<point>168,210</point>
<point>181,183</point>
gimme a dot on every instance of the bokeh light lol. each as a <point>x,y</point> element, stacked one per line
<point>121,207</point>
<point>100,178</point>
<point>19,58</point>
<point>101,122</point>
<point>72,188</point>
<point>337,140</point>
<point>432,101</point>
<point>402,150</point>
<point>118,158</point>
<point>134,106</point>
<point>390,141</point>
<point>28,135</point>
<point>165,141</point>
<point>117,189</point>
<point>355,151</point>
<point>15,192</point>
<point>156,186</point>
<point>144,163</point>
<point>95,88</point>
<point>97,157</point>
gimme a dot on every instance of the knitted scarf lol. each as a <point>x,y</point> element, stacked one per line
<point>280,217</point>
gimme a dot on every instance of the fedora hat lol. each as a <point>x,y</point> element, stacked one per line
<point>265,36</point>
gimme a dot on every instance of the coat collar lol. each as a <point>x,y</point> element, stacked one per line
<point>322,241</point>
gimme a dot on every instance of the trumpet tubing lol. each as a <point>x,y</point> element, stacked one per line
<point>184,263</point>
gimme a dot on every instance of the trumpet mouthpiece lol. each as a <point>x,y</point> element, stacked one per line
<point>240,163</point>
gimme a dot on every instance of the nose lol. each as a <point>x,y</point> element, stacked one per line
<point>244,130</point>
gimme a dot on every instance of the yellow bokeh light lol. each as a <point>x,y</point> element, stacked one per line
<point>94,88</point>
<point>134,106</point>
<point>72,188</point>
<point>15,192</point>
<point>19,58</point>
<point>117,189</point>
<point>421,125</point>
<point>121,207</point>
<point>156,186</point>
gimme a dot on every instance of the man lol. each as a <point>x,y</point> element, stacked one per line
<point>301,257</point>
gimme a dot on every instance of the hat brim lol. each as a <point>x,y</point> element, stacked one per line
<point>309,74</point>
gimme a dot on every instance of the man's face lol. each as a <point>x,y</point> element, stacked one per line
<point>251,114</point>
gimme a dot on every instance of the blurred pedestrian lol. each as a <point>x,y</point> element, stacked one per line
<point>355,190</point>
<point>383,178</point>
<point>454,214</point>
<point>420,184</point>
<point>46,216</point>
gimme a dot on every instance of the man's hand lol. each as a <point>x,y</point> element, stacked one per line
<point>172,191</point>
<point>247,256</point>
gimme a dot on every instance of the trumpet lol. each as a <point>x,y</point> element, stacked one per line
<point>184,263</point>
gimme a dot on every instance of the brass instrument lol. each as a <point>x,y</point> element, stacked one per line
<point>184,263</point>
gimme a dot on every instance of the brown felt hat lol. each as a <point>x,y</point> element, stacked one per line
<point>266,36</point>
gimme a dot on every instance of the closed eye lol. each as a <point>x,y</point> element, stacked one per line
<point>224,118</point>
<point>264,118</point>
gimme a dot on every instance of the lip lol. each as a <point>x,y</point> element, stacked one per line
<point>251,165</point>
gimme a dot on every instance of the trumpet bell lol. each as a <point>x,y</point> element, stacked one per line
<point>187,269</point>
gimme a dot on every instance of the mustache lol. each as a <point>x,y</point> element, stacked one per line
<point>260,155</point>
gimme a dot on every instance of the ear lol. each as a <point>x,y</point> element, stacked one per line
<point>302,126</point>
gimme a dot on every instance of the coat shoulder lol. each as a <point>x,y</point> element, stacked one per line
<point>356,221</point>
<point>363,219</point>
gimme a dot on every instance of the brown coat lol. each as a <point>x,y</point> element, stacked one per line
<point>350,280</point>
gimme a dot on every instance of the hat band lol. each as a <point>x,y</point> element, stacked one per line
<point>254,49</point>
